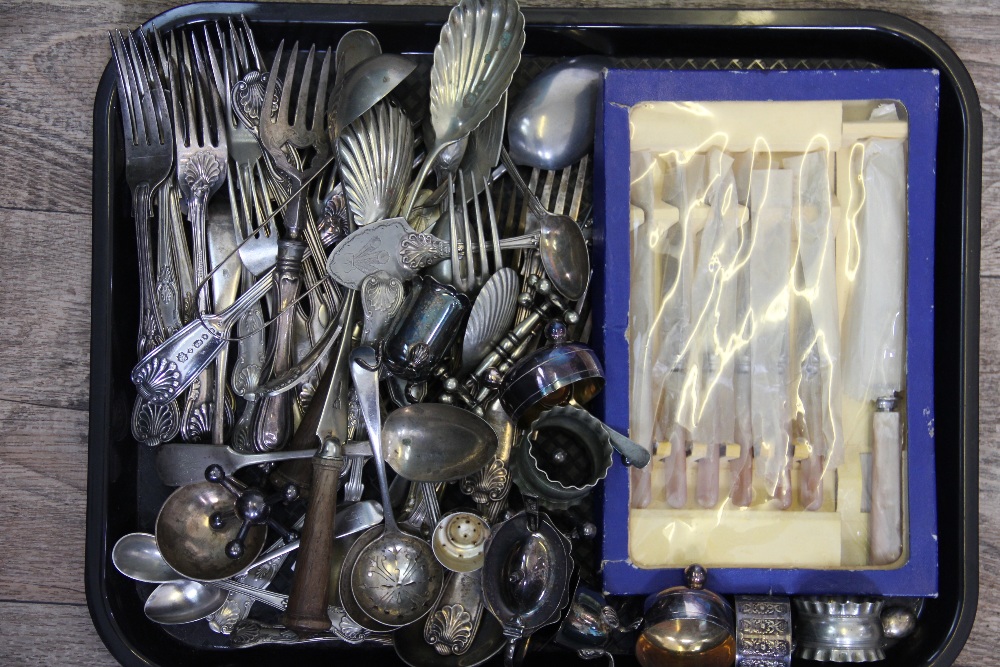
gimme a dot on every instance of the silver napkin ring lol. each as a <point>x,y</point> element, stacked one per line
<point>763,631</point>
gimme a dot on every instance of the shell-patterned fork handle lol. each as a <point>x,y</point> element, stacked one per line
<point>169,369</point>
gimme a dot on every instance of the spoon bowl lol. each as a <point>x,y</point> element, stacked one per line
<point>180,602</point>
<point>363,87</point>
<point>137,557</point>
<point>188,542</point>
<point>552,123</point>
<point>562,250</point>
<point>355,47</point>
<point>436,442</point>
<point>344,586</point>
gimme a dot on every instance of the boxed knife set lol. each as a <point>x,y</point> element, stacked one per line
<point>491,335</point>
<point>780,235</point>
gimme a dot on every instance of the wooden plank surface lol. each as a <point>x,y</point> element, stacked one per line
<point>54,52</point>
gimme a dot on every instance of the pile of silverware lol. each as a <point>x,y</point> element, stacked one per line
<point>341,275</point>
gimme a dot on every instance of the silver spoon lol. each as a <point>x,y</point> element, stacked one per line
<point>562,247</point>
<point>137,557</point>
<point>355,47</point>
<point>552,124</point>
<point>436,442</point>
<point>474,63</point>
<point>180,602</point>
<point>363,87</point>
<point>396,579</point>
<point>183,602</point>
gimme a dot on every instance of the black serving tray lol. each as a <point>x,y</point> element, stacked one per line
<point>118,501</point>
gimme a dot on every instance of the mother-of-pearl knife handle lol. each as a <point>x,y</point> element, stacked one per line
<point>886,541</point>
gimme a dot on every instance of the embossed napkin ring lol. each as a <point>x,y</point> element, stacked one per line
<point>839,629</point>
<point>763,631</point>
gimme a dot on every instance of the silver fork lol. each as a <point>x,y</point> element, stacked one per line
<point>298,150</point>
<point>251,354</point>
<point>200,143</point>
<point>245,85</point>
<point>148,161</point>
<point>474,275</point>
<point>247,96</point>
<point>173,243</point>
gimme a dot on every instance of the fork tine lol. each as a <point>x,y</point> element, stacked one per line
<point>468,278</point>
<point>484,262</point>
<point>124,95</point>
<point>234,57</point>
<point>456,267</point>
<point>262,201</point>
<point>158,95</point>
<point>140,138</point>
<point>174,52</point>
<point>252,43</point>
<point>236,202</point>
<point>235,50</point>
<point>560,203</point>
<point>180,129</point>
<point>187,85</point>
<point>286,85</point>
<point>494,231</point>
<point>272,79</point>
<point>300,105</point>
<point>199,79</point>
<point>511,225</point>
<point>162,57</point>
<point>581,177</point>
<point>218,87</point>
<point>319,111</point>
<point>223,77</point>
<point>141,78</point>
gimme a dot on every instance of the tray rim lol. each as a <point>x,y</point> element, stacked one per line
<point>952,70</point>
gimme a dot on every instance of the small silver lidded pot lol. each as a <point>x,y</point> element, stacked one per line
<point>424,332</point>
<point>559,373</point>
<point>687,625</point>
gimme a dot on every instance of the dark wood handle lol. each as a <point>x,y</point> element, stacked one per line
<point>306,612</point>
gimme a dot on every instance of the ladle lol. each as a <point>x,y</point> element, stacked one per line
<point>396,579</point>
